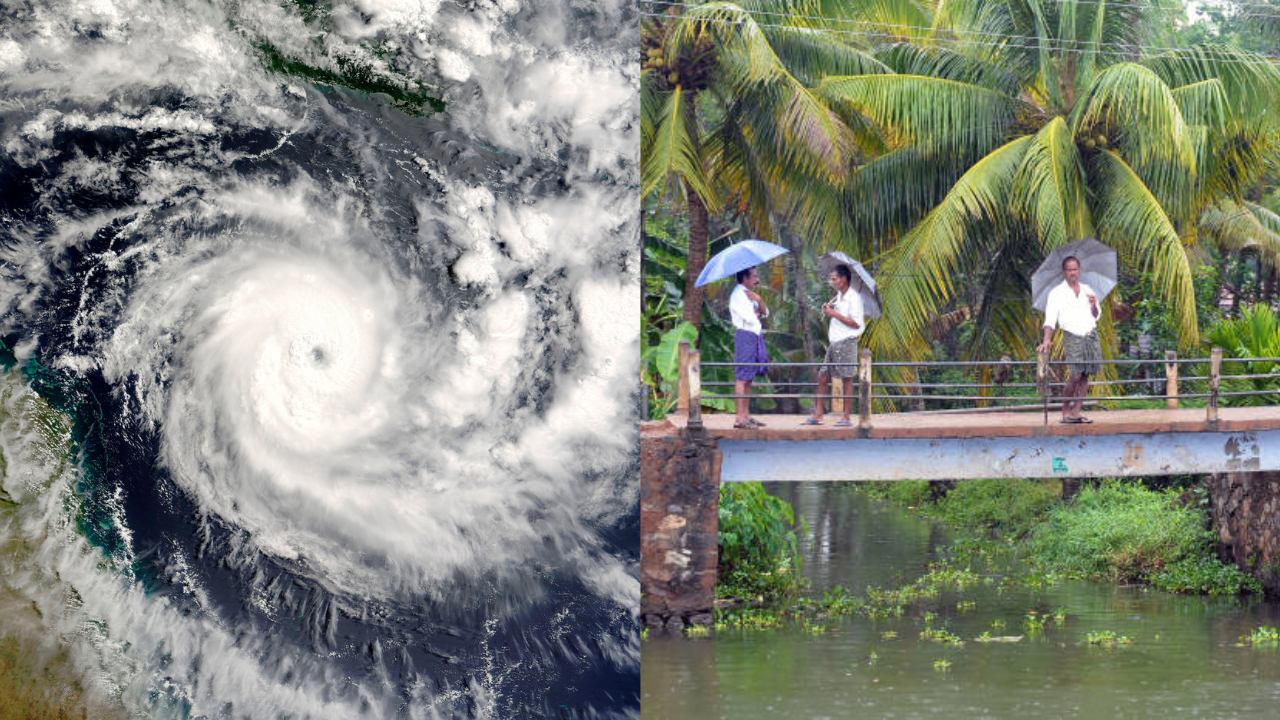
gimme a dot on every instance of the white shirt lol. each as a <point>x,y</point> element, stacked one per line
<point>1070,311</point>
<point>849,305</point>
<point>743,311</point>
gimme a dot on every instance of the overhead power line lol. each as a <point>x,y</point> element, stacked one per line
<point>955,38</point>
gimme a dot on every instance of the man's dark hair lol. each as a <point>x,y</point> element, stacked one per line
<point>743,275</point>
<point>1068,259</point>
<point>843,271</point>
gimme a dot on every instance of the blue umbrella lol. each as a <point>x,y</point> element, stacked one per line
<point>736,257</point>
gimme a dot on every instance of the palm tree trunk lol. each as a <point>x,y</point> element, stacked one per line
<point>799,298</point>
<point>699,232</point>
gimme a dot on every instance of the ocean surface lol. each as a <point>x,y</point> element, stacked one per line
<point>320,329</point>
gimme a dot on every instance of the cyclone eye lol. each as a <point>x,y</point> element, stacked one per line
<point>318,357</point>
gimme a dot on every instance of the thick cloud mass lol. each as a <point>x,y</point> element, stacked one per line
<point>357,385</point>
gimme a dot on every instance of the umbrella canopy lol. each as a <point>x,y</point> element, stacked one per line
<point>860,280</point>
<point>1097,270</point>
<point>736,257</point>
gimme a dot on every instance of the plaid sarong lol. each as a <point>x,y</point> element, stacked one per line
<point>1083,353</point>
<point>749,347</point>
<point>840,353</point>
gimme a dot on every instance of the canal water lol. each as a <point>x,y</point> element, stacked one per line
<point>1184,659</point>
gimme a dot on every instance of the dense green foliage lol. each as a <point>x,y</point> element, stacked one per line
<point>1255,334</point>
<point>758,556</point>
<point>1124,531</point>
<point>1117,530</point>
<point>952,145</point>
<point>1010,506</point>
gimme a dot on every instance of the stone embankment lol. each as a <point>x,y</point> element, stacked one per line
<point>679,524</point>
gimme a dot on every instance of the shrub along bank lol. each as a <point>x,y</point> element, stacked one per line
<point>758,556</point>
<point>1116,530</point>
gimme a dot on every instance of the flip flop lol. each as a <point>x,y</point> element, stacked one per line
<point>1073,421</point>
<point>1084,420</point>
<point>744,426</point>
<point>755,423</point>
<point>811,421</point>
<point>843,423</point>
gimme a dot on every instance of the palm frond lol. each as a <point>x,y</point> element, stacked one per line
<point>1235,162</point>
<point>673,148</point>
<point>944,62</point>
<point>1131,220</point>
<point>746,55</point>
<point>920,272</point>
<point>743,178</point>
<point>1245,76</point>
<point>1131,103</point>
<point>903,19</point>
<point>931,113</point>
<point>884,198</point>
<point>1093,18</point>
<point>1242,225</point>
<point>808,122</point>
<point>1202,103</point>
<point>750,65</point>
<point>812,54</point>
<point>1003,323</point>
<point>1049,71</point>
<point>1049,190</point>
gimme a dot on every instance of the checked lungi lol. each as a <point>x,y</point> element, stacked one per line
<point>748,347</point>
<point>1083,353</point>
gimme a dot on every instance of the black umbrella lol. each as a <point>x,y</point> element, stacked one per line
<point>1097,270</point>
<point>860,280</point>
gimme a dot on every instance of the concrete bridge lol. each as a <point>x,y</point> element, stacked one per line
<point>685,458</point>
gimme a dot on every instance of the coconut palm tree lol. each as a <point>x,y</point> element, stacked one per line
<point>730,119</point>
<point>1013,126</point>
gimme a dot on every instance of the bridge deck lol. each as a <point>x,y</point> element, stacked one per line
<point>994,424</point>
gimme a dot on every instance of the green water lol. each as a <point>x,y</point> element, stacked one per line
<point>1184,660</point>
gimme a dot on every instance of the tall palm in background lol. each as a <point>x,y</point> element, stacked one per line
<point>730,117</point>
<point>1010,127</point>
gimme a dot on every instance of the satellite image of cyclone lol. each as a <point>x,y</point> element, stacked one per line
<point>317,381</point>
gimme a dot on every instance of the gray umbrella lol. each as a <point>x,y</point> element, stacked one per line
<point>861,280</point>
<point>1097,270</point>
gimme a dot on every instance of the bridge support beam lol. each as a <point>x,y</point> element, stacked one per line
<point>1246,516</point>
<point>967,458</point>
<point>679,525</point>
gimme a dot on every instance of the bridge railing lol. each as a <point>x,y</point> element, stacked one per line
<point>1008,385</point>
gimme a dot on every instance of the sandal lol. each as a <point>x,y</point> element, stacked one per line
<point>1073,421</point>
<point>811,421</point>
<point>755,423</point>
<point>843,423</point>
<point>744,426</point>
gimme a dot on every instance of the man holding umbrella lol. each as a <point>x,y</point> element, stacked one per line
<point>745,309</point>
<point>847,323</point>
<point>1073,306</point>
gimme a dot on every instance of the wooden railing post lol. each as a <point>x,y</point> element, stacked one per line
<point>1171,379</point>
<point>1215,376</point>
<point>864,389</point>
<point>694,387</point>
<point>1042,380</point>
<point>682,384</point>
